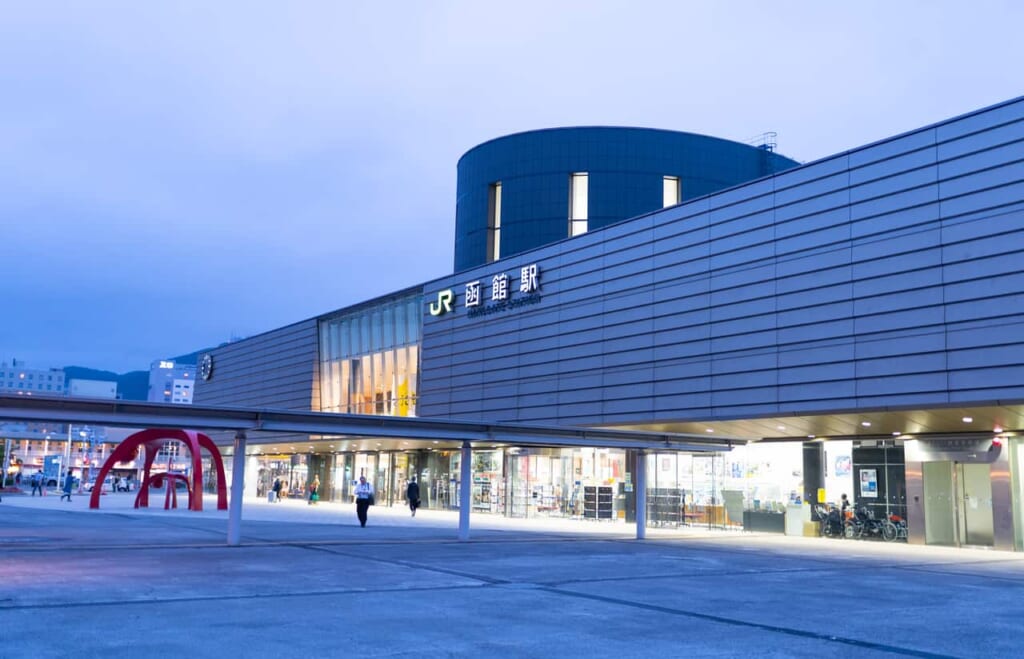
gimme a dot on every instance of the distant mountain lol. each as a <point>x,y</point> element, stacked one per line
<point>190,358</point>
<point>133,385</point>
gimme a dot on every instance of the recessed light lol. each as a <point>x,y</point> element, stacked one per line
<point>997,429</point>
<point>781,427</point>
<point>810,436</point>
<point>866,424</point>
<point>896,433</point>
<point>709,430</point>
<point>967,419</point>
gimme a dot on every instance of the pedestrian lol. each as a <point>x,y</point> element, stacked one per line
<point>37,483</point>
<point>314,490</point>
<point>69,483</point>
<point>412,493</point>
<point>844,503</point>
<point>277,490</point>
<point>364,499</point>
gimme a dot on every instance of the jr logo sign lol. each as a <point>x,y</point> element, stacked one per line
<point>444,302</point>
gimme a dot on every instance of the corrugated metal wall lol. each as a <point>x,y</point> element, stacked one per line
<point>889,275</point>
<point>277,369</point>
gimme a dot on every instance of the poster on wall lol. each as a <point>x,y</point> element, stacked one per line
<point>843,465</point>
<point>868,483</point>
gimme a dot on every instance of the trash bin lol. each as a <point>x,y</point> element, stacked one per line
<point>271,496</point>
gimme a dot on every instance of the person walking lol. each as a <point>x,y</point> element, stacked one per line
<point>37,483</point>
<point>276,489</point>
<point>412,493</point>
<point>364,499</point>
<point>69,484</point>
<point>314,490</point>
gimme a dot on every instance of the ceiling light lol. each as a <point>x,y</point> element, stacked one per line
<point>709,430</point>
<point>896,433</point>
<point>781,427</point>
<point>997,429</point>
<point>967,419</point>
<point>810,436</point>
<point>866,424</point>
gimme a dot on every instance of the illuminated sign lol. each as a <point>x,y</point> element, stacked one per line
<point>444,302</point>
<point>500,298</point>
<point>166,364</point>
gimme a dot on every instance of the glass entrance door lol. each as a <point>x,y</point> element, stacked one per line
<point>974,500</point>
<point>939,508</point>
<point>706,486</point>
<point>958,504</point>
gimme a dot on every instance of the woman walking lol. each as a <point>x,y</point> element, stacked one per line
<point>314,490</point>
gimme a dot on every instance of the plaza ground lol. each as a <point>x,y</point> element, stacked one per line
<point>307,580</point>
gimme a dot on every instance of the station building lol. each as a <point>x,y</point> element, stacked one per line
<point>855,323</point>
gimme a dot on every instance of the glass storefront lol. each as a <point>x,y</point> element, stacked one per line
<point>752,486</point>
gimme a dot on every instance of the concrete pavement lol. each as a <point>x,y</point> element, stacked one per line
<point>308,580</point>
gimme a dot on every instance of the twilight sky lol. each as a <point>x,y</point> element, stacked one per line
<point>176,174</point>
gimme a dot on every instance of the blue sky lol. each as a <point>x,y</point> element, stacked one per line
<point>175,174</point>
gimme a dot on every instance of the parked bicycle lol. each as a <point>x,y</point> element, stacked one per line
<point>863,524</point>
<point>894,528</point>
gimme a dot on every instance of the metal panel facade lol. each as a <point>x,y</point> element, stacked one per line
<point>888,275</point>
<point>278,369</point>
<point>625,166</point>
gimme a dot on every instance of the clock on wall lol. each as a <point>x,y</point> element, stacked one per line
<point>206,366</point>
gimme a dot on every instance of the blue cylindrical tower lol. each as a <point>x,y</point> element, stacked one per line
<point>529,189</point>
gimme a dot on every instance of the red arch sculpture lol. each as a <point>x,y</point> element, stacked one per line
<point>171,498</point>
<point>153,439</point>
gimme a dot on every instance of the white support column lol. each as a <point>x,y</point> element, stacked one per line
<point>641,494</point>
<point>237,483</point>
<point>465,490</point>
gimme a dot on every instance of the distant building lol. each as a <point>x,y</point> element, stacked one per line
<point>171,382</point>
<point>80,388</point>
<point>16,378</point>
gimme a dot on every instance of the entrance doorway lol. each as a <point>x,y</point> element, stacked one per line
<point>958,504</point>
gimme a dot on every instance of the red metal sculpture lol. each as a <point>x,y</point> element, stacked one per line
<point>153,439</point>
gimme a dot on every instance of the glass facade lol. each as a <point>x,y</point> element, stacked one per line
<point>369,360</point>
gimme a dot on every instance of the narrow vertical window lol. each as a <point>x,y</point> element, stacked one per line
<point>578,183</point>
<point>494,222</point>
<point>671,191</point>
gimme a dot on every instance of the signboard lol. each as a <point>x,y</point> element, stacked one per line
<point>51,467</point>
<point>483,297</point>
<point>869,483</point>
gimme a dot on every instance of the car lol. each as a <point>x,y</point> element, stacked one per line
<point>91,485</point>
